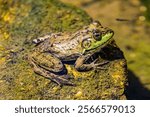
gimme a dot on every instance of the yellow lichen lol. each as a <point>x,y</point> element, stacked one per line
<point>1,81</point>
<point>6,35</point>
<point>121,83</point>
<point>116,76</point>
<point>75,73</point>
<point>26,9</point>
<point>2,60</point>
<point>55,89</point>
<point>78,94</point>
<point>8,17</point>
<point>3,35</point>
<point>1,48</point>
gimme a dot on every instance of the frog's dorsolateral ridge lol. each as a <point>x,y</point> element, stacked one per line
<point>53,50</point>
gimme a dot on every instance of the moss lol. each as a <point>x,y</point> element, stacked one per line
<point>147,4</point>
<point>21,21</point>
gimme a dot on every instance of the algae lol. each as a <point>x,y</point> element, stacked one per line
<point>23,20</point>
<point>147,4</point>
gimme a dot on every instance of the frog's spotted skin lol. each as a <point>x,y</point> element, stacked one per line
<point>53,50</point>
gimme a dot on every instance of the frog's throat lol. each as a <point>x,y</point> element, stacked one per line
<point>105,39</point>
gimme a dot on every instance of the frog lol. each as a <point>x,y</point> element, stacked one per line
<point>54,50</point>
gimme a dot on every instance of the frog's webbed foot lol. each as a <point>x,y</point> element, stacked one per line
<point>81,64</point>
<point>63,80</point>
<point>98,65</point>
<point>46,70</point>
<point>60,80</point>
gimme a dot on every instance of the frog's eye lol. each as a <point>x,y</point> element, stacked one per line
<point>97,35</point>
<point>86,43</point>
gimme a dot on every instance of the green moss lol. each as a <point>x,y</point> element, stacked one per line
<point>147,4</point>
<point>23,20</point>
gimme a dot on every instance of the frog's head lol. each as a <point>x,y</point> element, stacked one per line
<point>99,36</point>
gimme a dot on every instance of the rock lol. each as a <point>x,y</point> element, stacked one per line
<point>22,21</point>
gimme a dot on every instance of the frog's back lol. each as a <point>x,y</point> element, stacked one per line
<point>66,46</point>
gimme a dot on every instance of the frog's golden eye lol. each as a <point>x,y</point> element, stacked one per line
<point>97,35</point>
<point>86,43</point>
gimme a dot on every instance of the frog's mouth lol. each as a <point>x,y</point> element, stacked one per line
<point>106,38</point>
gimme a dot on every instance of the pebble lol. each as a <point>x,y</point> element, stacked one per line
<point>142,18</point>
<point>143,8</point>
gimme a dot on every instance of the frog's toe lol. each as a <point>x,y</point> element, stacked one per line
<point>100,65</point>
<point>67,77</point>
<point>64,81</point>
<point>100,68</point>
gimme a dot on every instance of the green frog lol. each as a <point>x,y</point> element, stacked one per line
<point>54,50</point>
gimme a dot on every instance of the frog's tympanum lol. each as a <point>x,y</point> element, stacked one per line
<point>53,51</point>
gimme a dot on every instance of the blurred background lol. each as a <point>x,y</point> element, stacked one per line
<point>130,19</point>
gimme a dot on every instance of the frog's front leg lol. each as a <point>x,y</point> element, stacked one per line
<point>50,67</point>
<point>81,64</point>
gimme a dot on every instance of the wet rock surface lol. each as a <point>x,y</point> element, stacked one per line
<point>22,21</point>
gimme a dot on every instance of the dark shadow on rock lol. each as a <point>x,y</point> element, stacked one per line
<point>135,89</point>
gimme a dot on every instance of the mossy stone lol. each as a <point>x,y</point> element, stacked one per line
<point>23,20</point>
